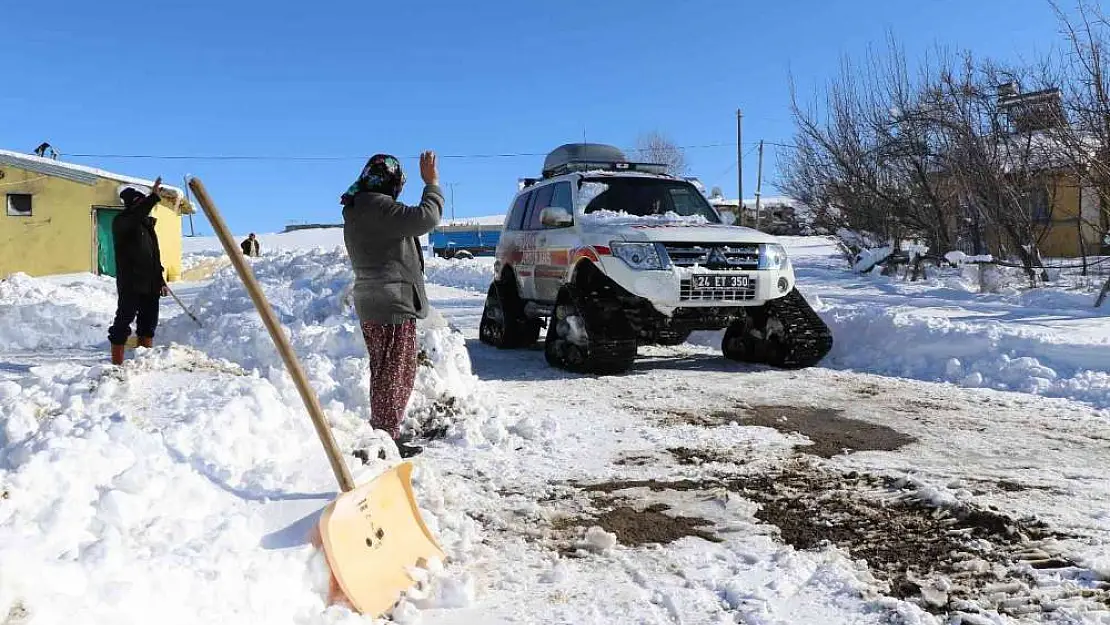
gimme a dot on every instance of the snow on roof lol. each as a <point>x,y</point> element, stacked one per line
<point>750,202</point>
<point>88,175</point>
<point>488,220</point>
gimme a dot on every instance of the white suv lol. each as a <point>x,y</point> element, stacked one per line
<point>618,254</point>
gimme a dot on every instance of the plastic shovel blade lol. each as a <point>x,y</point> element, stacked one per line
<point>371,536</point>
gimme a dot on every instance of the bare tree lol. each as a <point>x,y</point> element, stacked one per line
<point>953,154</point>
<point>867,162</point>
<point>654,147</point>
<point>1085,131</point>
<point>998,157</point>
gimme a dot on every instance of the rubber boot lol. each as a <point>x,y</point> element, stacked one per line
<point>146,341</point>
<point>405,447</point>
<point>117,354</point>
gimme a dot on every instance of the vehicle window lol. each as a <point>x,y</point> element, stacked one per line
<point>561,197</point>
<point>644,197</point>
<point>543,200</point>
<point>516,217</point>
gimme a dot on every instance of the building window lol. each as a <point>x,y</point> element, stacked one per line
<point>19,205</point>
<point>1038,204</point>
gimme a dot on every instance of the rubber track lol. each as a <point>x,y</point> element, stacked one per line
<point>807,338</point>
<point>608,352</point>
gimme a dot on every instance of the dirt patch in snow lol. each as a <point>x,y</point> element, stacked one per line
<point>652,485</point>
<point>17,615</point>
<point>689,456</point>
<point>831,432</point>
<point>635,460</point>
<point>635,522</point>
<point>636,527</point>
<point>950,559</point>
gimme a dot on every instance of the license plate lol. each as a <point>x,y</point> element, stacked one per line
<point>720,282</point>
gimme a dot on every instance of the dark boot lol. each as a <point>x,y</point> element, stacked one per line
<point>117,354</point>
<point>146,341</point>
<point>406,448</point>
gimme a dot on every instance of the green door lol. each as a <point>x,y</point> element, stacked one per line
<point>105,244</point>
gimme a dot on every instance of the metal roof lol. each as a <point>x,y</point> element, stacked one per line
<point>47,167</point>
<point>85,175</point>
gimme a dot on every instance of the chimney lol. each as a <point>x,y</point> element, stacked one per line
<point>1008,90</point>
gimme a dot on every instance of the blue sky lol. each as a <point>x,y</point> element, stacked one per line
<point>348,79</point>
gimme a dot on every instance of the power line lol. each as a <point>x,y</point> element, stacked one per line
<point>266,157</point>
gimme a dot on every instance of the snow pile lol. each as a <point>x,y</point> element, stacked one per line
<point>866,259</point>
<point>196,259</point>
<point>59,312</point>
<point>307,238</point>
<point>472,274</point>
<point>957,257</point>
<point>918,343</point>
<point>309,292</point>
<point>612,218</point>
<point>176,489</point>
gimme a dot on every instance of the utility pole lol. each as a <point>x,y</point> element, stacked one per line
<point>759,188</point>
<point>451,185</point>
<point>188,200</point>
<point>739,167</point>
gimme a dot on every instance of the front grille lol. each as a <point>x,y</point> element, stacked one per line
<point>687,293</point>
<point>721,257</point>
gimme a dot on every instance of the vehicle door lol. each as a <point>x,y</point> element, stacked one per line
<point>510,248</point>
<point>533,244</point>
<point>558,236</point>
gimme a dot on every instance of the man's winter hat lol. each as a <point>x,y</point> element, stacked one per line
<point>382,174</point>
<point>130,195</point>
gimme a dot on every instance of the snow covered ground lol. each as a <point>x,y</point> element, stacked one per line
<point>179,487</point>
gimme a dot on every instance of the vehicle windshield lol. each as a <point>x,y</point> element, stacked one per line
<point>645,197</point>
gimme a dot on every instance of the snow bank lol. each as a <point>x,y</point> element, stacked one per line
<point>957,257</point>
<point>177,489</point>
<point>59,312</point>
<point>933,344</point>
<point>308,238</point>
<point>1047,341</point>
<point>309,291</point>
<point>472,274</point>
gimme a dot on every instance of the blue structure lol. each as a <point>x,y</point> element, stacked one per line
<point>476,239</point>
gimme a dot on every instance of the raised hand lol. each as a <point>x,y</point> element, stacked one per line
<point>429,170</point>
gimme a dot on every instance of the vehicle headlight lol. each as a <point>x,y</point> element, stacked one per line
<point>638,255</point>
<point>773,256</point>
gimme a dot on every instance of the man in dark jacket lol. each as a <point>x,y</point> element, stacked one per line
<point>250,246</point>
<point>139,272</point>
<point>382,238</point>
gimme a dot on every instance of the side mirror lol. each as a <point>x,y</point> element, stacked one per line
<point>728,218</point>
<point>556,217</point>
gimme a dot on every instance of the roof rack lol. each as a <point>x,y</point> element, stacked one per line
<point>580,166</point>
<point>578,157</point>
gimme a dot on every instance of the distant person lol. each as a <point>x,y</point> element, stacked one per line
<point>250,246</point>
<point>382,239</point>
<point>139,272</point>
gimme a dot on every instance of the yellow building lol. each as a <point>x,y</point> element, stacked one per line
<point>56,217</point>
<point>1068,215</point>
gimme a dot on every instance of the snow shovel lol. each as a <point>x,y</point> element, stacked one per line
<point>371,534</point>
<point>182,305</point>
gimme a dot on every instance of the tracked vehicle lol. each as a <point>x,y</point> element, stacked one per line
<point>609,254</point>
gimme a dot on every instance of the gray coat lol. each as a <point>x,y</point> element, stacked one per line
<point>381,235</point>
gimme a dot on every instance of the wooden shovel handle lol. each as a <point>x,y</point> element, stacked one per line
<point>342,474</point>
